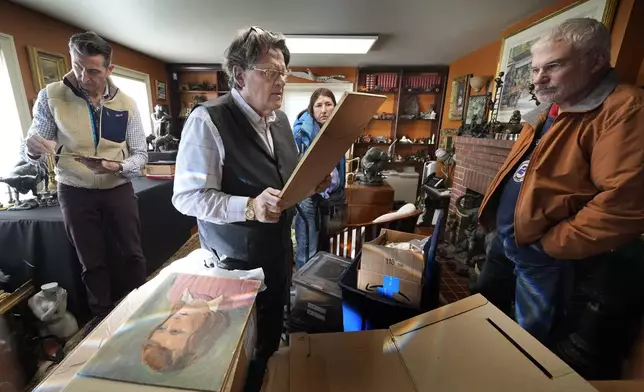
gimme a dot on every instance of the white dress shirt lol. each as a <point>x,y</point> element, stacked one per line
<point>199,168</point>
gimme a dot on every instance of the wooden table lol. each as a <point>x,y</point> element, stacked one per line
<point>366,203</point>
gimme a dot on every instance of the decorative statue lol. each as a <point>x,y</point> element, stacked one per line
<point>514,124</point>
<point>166,143</point>
<point>50,307</point>
<point>161,121</point>
<point>411,106</point>
<point>372,164</point>
<point>23,178</point>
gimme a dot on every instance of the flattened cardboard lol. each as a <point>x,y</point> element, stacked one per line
<point>469,345</point>
<point>403,264</point>
<point>277,376</point>
<point>65,377</point>
<point>401,290</point>
<point>350,117</point>
<point>347,362</point>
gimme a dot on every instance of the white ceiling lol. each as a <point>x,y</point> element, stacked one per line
<point>412,32</point>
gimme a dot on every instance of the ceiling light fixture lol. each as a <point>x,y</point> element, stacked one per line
<point>330,44</point>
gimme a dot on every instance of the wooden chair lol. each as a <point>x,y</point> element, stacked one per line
<point>348,242</point>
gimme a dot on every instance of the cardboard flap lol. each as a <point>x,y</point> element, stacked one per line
<point>481,349</point>
<point>347,362</point>
<point>438,315</point>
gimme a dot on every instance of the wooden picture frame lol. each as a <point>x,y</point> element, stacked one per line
<point>458,98</point>
<point>46,67</point>
<point>160,88</point>
<point>516,59</point>
<point>446,140</point>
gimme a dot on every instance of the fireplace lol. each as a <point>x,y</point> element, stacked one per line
<point>477,162</point>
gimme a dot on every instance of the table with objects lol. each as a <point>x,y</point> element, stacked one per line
<point>34,244</point>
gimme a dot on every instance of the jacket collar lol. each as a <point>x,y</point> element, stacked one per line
<point>70,81</point>
<point>591,102</point>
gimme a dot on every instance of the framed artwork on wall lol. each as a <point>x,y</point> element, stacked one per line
<point>46,67</point>
<point>446,140</point>
<point>476,112</point>
<point>160,87</point>
<point>458,97</point>
<point>516,59</point>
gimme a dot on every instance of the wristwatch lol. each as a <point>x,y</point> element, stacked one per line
<point>119,172</point>
<point>250,209</point>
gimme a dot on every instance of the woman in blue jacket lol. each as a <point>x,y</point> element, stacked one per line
<point>317,209</point>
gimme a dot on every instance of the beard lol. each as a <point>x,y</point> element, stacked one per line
<point>551,94</point>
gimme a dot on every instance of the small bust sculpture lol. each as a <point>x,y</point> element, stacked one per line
<point>516,117</point>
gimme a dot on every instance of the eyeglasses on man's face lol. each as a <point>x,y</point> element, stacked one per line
<point>272,74</point>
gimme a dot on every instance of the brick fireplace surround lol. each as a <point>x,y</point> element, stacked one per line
<point>477,162</point>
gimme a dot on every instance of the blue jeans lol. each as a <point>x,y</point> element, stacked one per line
<point>540,285</point>
<point>310,210</point>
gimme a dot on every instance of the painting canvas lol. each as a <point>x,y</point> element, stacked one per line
<point>457,98</point>
<point>350,117</point>
<point>516,58</point>
<point>476,109</point>
<point>46,67</point>
<point>184,336</point>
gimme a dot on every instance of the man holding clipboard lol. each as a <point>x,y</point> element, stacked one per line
<point>95,133</point>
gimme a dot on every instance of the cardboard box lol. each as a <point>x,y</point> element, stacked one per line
<point>277,376</point>
<point>469,345</point>
<point>392,272</point>
<point>65,376</point>
<point>160,170</point>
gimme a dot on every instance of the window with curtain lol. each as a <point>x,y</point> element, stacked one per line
<point>136,85</point>
<point>14,112</point>
<point>297,95</point>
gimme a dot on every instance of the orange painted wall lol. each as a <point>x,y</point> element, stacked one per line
<point>627,53</point>
<point>30,28</point>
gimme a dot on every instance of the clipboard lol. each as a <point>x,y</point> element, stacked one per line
<point>348,120</point>
<point>81,156</point>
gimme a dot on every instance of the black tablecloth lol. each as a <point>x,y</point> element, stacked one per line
<point>34,244</point>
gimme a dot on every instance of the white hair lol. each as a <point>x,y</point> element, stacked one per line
<point>585,35</point>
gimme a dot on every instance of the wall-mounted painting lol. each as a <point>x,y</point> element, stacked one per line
<point>46,67</point>
<point>160,87</point>
<point>446,140</point>
<point>457,98</point>
<point>476,109</point>
<point>183,336</point>
<point>516,58</point>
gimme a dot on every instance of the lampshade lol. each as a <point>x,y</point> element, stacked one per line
<point>477,82</point>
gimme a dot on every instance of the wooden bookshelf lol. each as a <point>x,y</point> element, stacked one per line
<point>426,84</point>
<point>190,83</point>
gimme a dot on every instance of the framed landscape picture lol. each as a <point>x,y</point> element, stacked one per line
<point>476,109</point>
<point>160,87</point>
<point>457,98</point>
<point>46,67</point>
<point>516,59</point>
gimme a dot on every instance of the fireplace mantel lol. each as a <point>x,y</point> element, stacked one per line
<point>477,162</point>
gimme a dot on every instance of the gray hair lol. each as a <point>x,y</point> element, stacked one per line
<point>91,44</point>
<point>585,35</point>
<point>248,46</point>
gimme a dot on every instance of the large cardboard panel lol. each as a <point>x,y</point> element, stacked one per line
<point>484,344</point>
<point>277,376</point>
<point>466,346</point>
<point>347,362</point>
<point>399,263</point>
<point>350,117</point>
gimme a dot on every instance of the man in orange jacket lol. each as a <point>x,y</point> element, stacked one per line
<point>573,185</point>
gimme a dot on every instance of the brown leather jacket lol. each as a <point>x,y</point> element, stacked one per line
<point>583,192</point>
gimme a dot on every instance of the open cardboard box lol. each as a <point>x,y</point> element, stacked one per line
<point>65,378</point>
<point>396,273</point>
<point>469,345</point>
